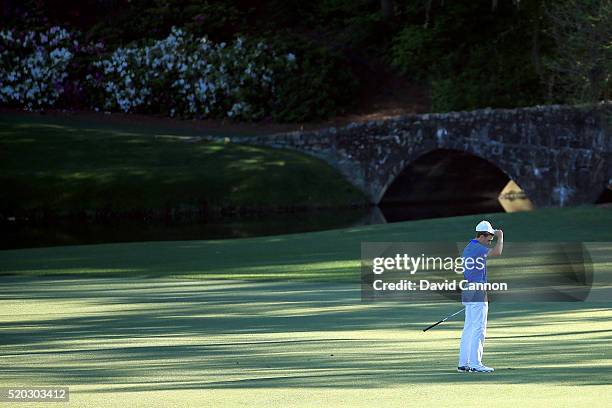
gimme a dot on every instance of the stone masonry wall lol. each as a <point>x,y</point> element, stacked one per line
<point>559,155</point>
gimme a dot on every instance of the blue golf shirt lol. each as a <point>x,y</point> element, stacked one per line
<point>477,270</point>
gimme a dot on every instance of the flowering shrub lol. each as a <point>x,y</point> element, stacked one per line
<point>192,77</point>
<point>178,75</point>
<point>33,66</point>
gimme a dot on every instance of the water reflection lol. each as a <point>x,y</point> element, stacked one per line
<point>512,198</point>
<point>19,234</point>
<point>24,235</point>
<point>435,209</point>
<point>29,235</point>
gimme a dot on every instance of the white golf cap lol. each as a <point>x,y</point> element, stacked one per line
<point>485,226</point>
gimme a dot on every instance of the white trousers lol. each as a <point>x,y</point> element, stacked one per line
<point>474,333</point>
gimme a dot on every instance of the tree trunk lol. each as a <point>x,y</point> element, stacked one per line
<point>535,49</point>
<point>388,8</point>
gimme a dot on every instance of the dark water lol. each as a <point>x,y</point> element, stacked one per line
<point>28,235</point>
<point>418,211</point>
<point>23,235</point>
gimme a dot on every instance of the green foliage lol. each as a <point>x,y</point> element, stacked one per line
<point>192,77</point>
<point>503,81</point>
<point>366,33</point>
<point>322,86</point>
<point>337,12</point>
<point>411,51</point>
<point>470,53</point>
<point>218,21</point>
<point>579,69</point>
<point>471,56</point>
<point>33,66</point>
<point>354,24</point>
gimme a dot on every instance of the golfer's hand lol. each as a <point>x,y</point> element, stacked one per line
<point>499,245</point>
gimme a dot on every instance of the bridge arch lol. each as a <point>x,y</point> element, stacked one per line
<point>559,155</point>
<point>446,182</point>
<point>442,174</point>
<point>447,172</point>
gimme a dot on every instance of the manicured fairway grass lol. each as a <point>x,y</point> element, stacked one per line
<point>327,255</point>
<point>62,167</point>
<point>157,327</point>
<point>185,342</point>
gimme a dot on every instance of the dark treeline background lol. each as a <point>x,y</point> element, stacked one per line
<point>464,54</point>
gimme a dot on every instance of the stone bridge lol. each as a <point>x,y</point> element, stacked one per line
<point>559,155</point>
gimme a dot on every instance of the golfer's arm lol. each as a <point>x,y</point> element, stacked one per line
<point>498,248</point>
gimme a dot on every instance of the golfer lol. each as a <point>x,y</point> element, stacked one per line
<point>476,304</point>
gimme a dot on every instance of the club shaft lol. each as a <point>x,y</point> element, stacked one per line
<point>443,320</point>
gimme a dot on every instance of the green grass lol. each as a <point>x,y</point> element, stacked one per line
<point>329,255</point>
<point>183,342</point>
<point>61,167</point>
<point>146,336</point>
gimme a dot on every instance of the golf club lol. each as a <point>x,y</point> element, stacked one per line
<point>443,320</point>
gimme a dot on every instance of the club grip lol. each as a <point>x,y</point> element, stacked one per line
<point>433,325</point>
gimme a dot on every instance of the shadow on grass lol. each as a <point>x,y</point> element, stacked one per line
<point>140,335</point>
